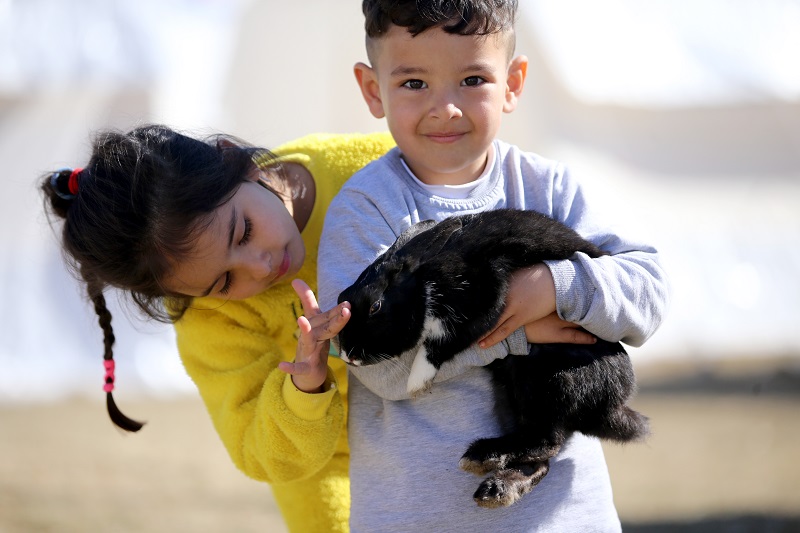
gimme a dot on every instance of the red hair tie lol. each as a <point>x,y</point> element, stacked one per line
<point>72,184</point>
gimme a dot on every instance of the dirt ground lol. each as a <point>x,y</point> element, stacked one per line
<point>723,457</point>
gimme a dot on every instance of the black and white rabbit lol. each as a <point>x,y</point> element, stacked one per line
<point>441,287</point>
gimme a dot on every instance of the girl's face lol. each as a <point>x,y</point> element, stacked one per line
<point>250,243</point>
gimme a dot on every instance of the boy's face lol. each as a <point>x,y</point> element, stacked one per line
<point>443,96</point>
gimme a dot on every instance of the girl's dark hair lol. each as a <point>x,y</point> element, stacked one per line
<point>134,210</point>
<point>462,17</point>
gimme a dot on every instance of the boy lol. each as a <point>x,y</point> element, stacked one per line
<point>442,73</point>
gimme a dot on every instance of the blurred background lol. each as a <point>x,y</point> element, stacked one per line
<point>682,119</point>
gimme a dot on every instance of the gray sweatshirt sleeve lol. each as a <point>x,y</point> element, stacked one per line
<point>619,297</point>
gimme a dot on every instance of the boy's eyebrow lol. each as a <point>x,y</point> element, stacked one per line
<point>478,66</point>
<point>406,71</point>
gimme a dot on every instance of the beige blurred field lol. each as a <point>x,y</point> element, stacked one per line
<point>723,457</point>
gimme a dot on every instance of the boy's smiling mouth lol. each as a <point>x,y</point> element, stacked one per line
<point>444,137</point>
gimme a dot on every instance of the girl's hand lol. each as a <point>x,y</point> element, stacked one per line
<point>531,302</point>
<point>310,367</point>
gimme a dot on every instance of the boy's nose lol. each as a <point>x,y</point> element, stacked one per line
<point>446,107</point>
<point>452,111</point>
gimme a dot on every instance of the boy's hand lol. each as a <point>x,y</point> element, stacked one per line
<point>310,366</point>
<point>553,329</point>
<point>531,302</point>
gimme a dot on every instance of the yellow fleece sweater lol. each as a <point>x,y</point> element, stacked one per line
<point>295,441</point>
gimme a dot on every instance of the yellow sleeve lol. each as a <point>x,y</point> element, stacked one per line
<point>309,406</point>
<point>232,356</point>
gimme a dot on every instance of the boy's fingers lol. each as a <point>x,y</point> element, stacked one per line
<point>577,336</point>
<point>500,332</point>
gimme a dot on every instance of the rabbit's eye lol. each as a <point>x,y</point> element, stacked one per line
<point>375,307</point>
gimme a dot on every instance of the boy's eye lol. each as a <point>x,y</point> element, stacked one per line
<point>473,81</point>
<point>415,84</point>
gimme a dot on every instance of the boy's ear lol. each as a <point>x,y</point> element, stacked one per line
<point>517,71</point>
<point>368,83</point>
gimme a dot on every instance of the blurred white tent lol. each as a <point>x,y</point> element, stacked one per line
<point>666,54</point>
<point>178,51</point>
<point>683,117</point>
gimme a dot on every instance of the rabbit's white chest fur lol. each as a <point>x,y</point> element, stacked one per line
<point>422,371</point>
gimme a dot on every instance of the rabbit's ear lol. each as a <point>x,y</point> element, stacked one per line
<point>409,234</point>
<point>427,244</point>
<point>388,256</point>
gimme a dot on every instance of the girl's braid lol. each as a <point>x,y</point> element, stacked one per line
<point>95,291</point>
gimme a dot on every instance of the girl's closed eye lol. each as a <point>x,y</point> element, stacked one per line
<point>415,84</point>
<point>226,287</point>
<point>248,228</point>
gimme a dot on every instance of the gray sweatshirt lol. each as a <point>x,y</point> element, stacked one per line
<point>404,471</point>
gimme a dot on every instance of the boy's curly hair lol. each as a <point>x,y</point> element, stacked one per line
<point>462,17</point>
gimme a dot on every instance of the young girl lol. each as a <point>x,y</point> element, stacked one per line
<point>207,234</point>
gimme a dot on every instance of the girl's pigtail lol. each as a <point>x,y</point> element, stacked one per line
<point>104,318</point>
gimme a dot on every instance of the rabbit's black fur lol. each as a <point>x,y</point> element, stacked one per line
<point>439,288</point>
